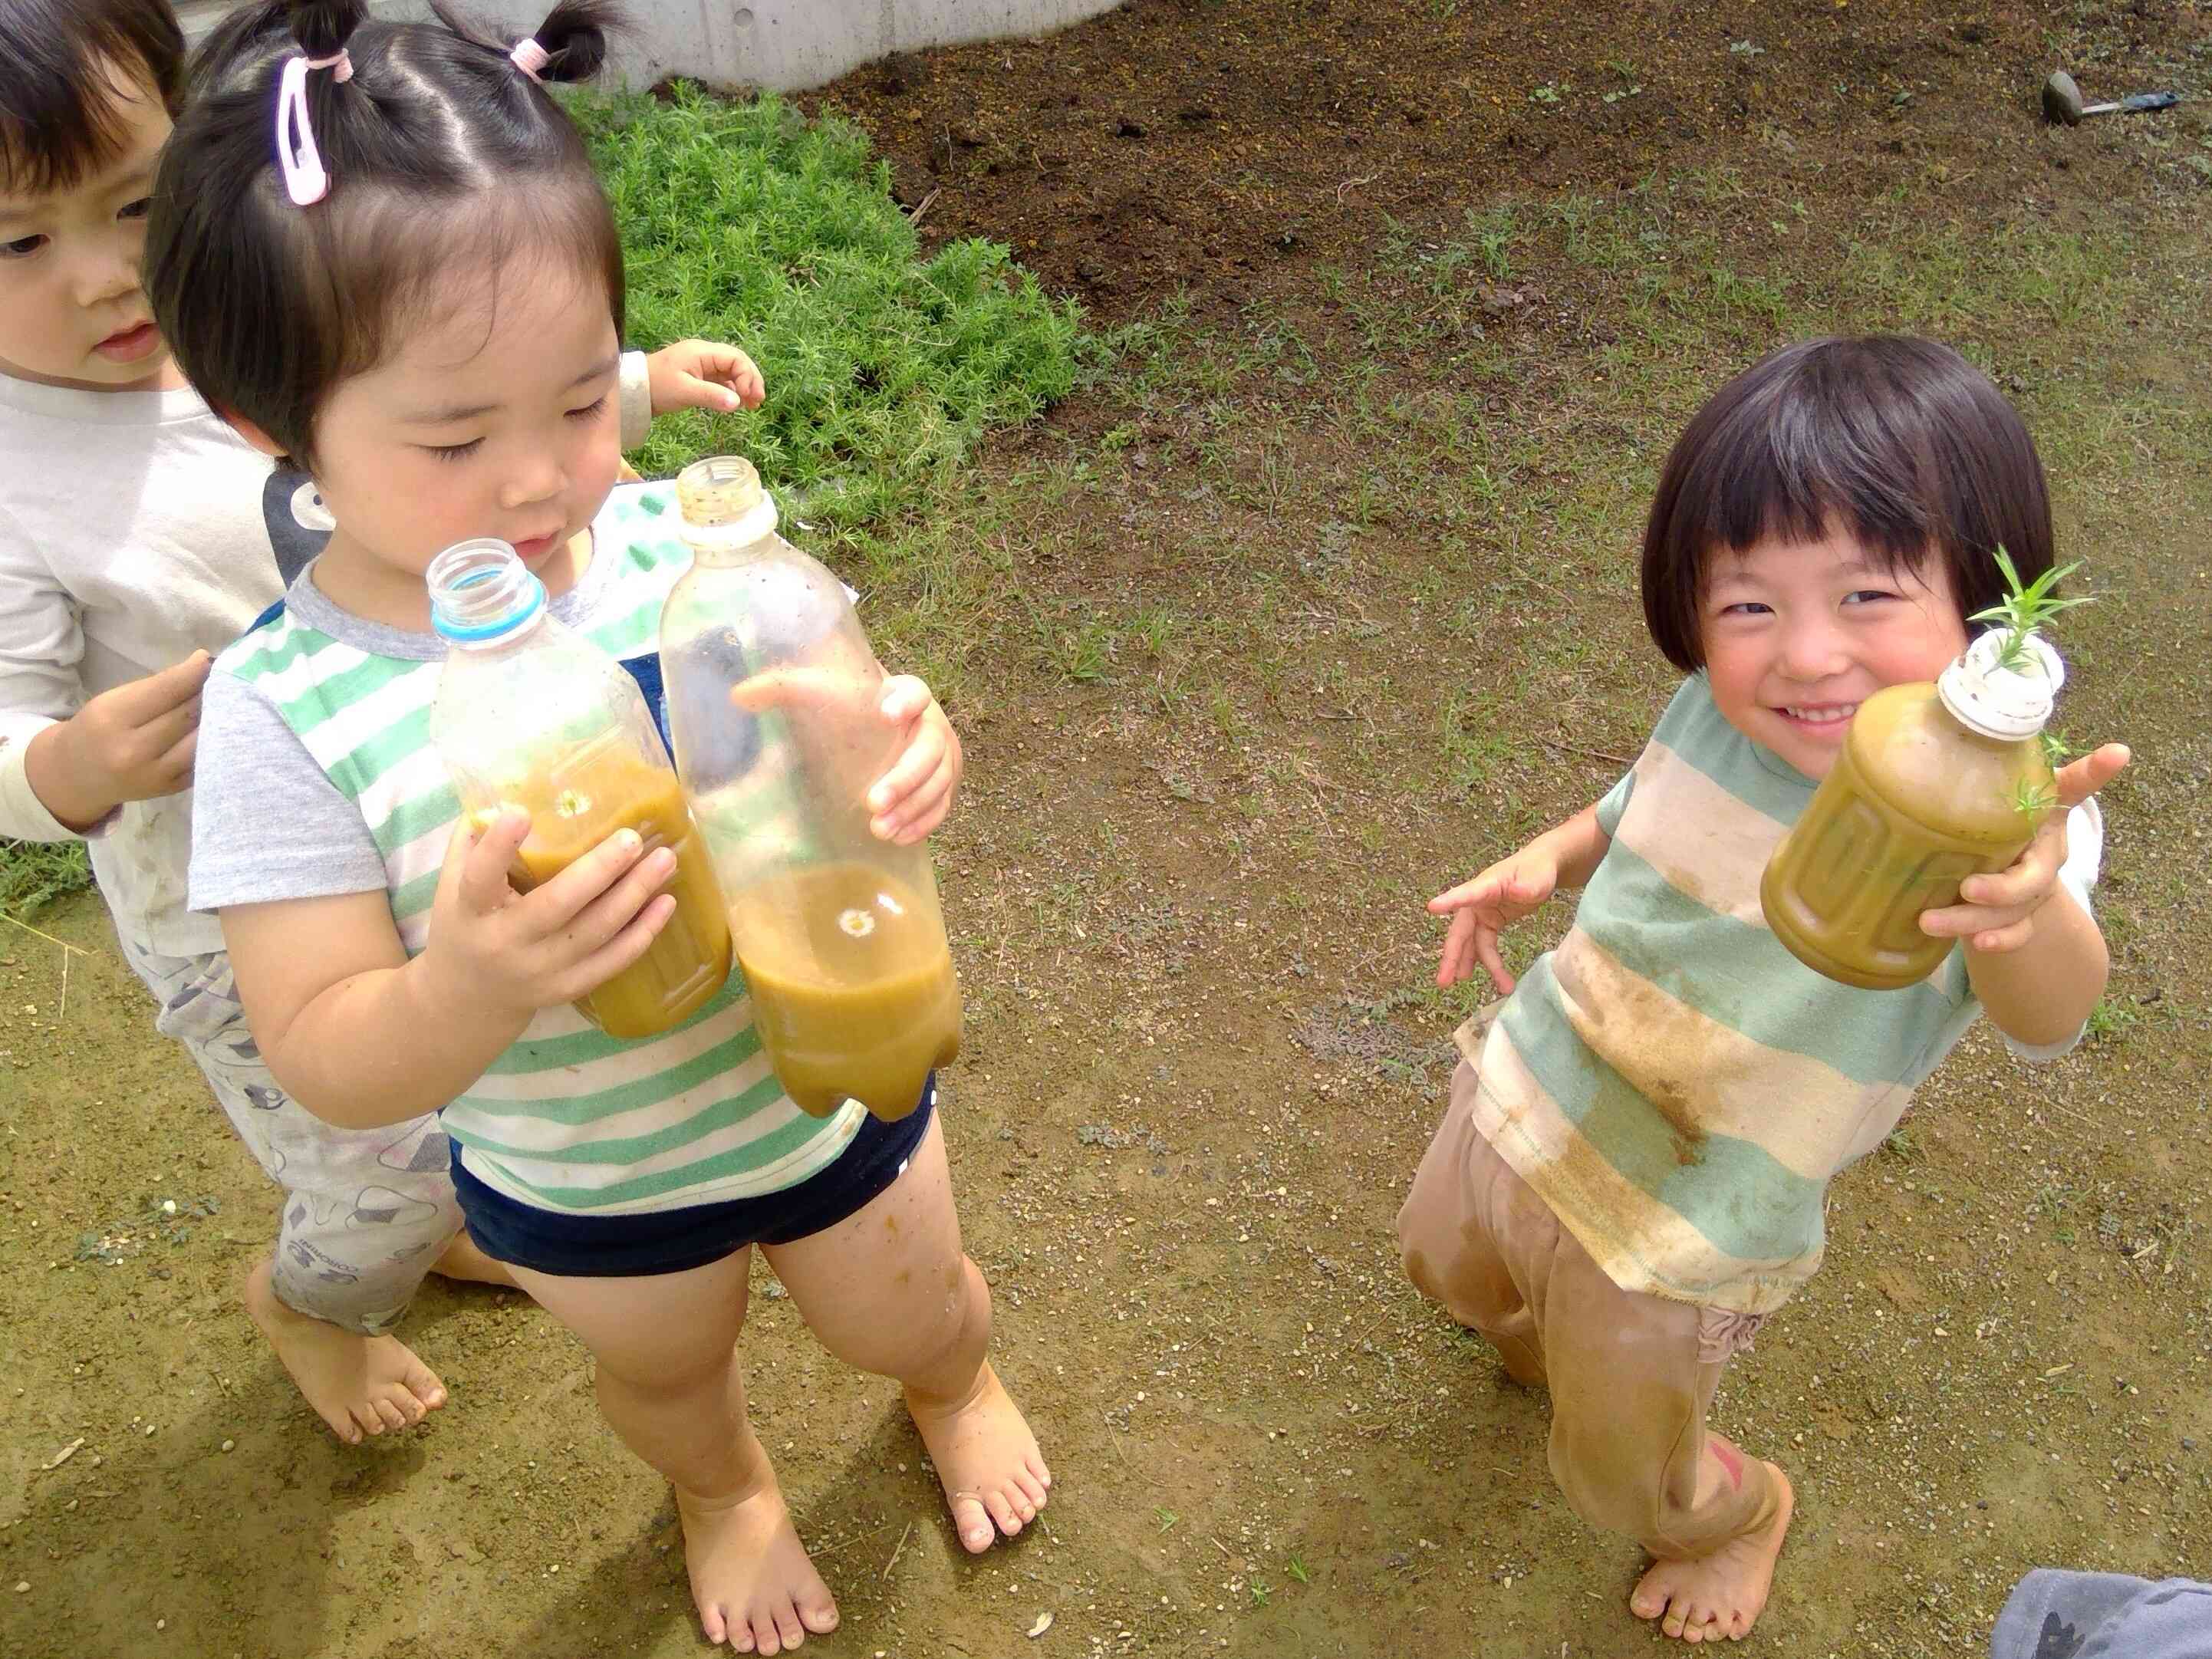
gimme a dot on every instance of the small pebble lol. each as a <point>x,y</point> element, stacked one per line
<point>22,1586</point>
<point>161,1623</point>
<point>229,1445</point>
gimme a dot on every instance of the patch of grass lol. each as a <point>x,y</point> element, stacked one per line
<point>746,223</point>
<point>34,874</point>
<point>2108,1019</point>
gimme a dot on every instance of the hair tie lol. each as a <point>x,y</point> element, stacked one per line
<point>529,57</point>
<point>306,180</point>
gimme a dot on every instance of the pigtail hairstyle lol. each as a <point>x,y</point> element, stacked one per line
<point>574,37</point>
<point>444,159</point>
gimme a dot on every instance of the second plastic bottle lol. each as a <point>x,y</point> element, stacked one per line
<point>773,700</point>
<point>531,715</point>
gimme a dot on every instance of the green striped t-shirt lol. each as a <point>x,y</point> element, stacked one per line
<point>317,777</point>
<point>1671,1081</point>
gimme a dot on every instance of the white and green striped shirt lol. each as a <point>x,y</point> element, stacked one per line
<point>1671,1081</point>
<point>317,777</point>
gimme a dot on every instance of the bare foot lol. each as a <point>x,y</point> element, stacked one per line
<point>1721,1595</point>
<point>357,1384</point>
<point>751,1581</point>
<point>463,1260</point>
<point>986,1460</point>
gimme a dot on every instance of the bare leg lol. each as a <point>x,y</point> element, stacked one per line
<point>1721,1595</point>
<point>462,1259</point>
<point>889,1290</point>
<point>359,1385</point>
<point>669,1385</point>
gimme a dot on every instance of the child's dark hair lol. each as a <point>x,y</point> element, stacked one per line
<point>445,160</point>
<point>1899,441</point>
<point>65,67</point>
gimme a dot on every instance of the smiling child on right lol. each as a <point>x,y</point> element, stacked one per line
<point>1631,1174</point>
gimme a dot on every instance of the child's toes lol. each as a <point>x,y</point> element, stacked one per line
<point>1003,1511</point>
<point>973,1523</point>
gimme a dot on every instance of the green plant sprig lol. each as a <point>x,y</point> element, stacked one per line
<point>2032,800</point>
<point>2025,608</point>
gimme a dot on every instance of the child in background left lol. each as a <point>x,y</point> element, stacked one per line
<point>138,536</point>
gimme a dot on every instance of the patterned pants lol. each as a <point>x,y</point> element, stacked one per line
<point>366,1212</point>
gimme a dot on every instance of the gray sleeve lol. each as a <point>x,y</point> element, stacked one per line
<point>2104,1614</point>
<point>267,821</point>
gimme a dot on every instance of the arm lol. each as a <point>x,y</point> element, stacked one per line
<point>2035,958</point>
<point>362,1036</point>
<point>1566,855</point>
<point>62,767</point>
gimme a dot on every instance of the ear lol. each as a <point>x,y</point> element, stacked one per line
<point>254,436</point>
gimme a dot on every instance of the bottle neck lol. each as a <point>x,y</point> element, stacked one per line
<point>743,537</point>
<point>482,597</point>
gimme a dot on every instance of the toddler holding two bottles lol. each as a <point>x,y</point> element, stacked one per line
<point>438,350</point>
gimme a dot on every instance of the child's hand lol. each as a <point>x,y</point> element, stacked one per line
<point>700,374</point>
<point>520,953</point>
<point>912,798</point>
<point>913,794</point>
<point>1998,912</point>
<point>134,742</point>
<point>1482,909</point>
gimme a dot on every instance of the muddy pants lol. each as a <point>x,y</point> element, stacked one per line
<point>366,1212</point>
<point>1631,1376</point>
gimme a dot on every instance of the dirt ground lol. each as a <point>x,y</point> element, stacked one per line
<point>1239,691</point>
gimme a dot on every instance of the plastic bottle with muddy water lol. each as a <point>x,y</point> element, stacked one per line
<point>773,701</point>
<point>531,715</point>
<point>1934,783</point>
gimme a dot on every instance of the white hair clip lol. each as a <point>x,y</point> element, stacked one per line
<point>306,180</point>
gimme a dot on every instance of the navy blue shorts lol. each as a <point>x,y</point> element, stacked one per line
<point>673,1241</point>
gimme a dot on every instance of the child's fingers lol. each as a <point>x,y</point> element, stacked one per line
<point>919,762</point>
<point>2026,881</point>
<point>141,701</point>
<point>630,941</point>
<point>2009,936</point>
<point>481,853</point>
<point>1483,890</point>
<point>1971,921</point>
<point>1485,946</point>
<point>921,811</point>
<point>175,766</point>
<point>2078,780</point>
<point>699,394</point>
<point>559,905</point>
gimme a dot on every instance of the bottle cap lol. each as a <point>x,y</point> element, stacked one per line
<point>722,496</point>
<point>1985,696</point>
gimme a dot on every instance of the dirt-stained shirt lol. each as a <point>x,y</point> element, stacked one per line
<point>1671,1080</point>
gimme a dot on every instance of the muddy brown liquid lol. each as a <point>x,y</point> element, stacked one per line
<point>1915,803</point>
<point>852,989</point>
<point>579,806</point>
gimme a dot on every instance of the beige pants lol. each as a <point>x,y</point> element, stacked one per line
<point>1631,1376</point>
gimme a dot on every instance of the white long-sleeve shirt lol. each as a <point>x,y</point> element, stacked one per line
<point>135,528</point>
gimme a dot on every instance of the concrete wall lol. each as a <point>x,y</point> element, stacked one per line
<point>785,43</point>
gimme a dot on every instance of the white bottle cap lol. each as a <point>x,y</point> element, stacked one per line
<point>1998,702</point>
